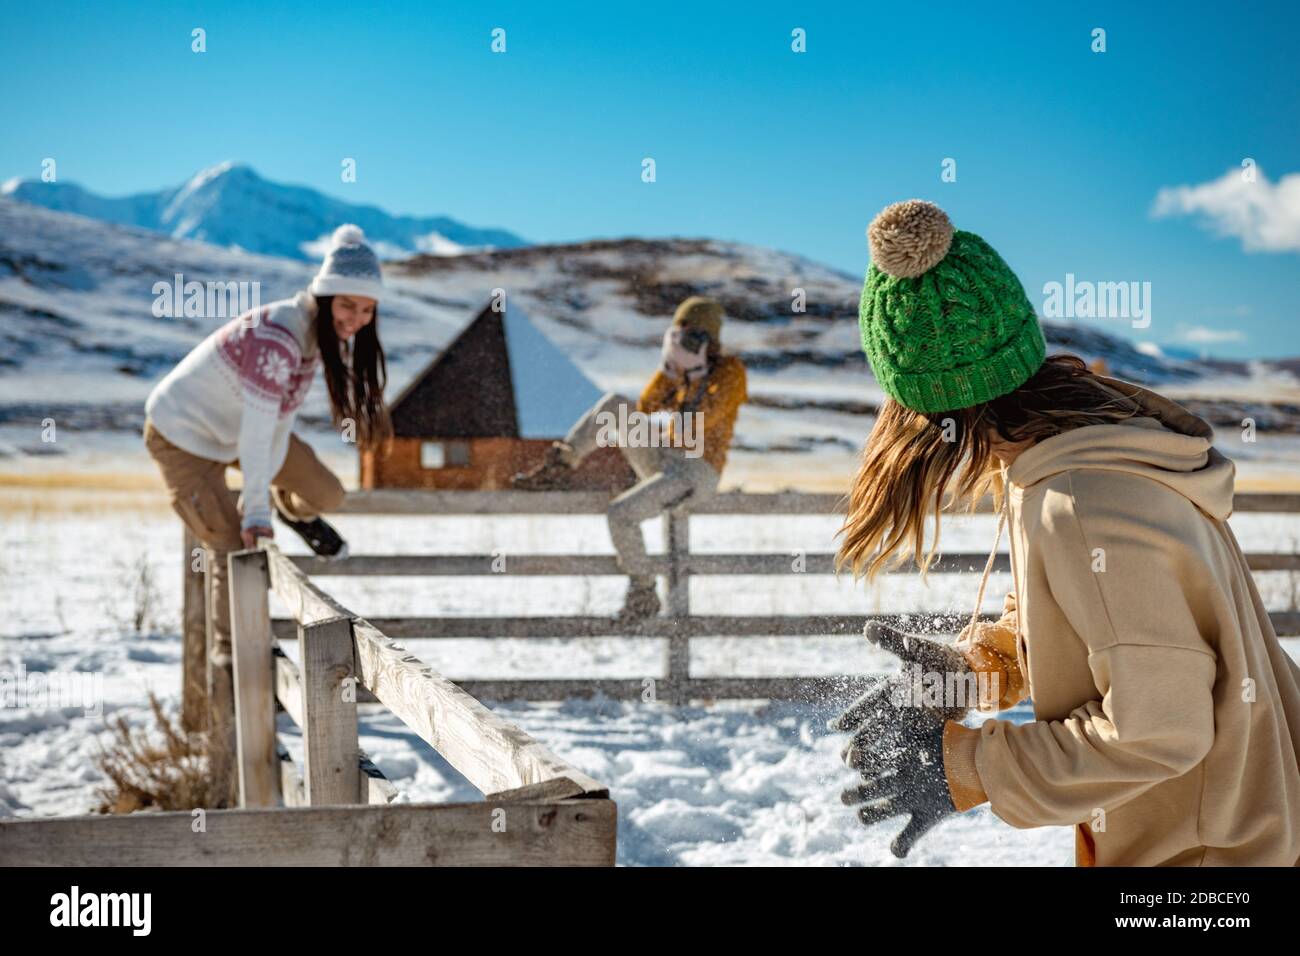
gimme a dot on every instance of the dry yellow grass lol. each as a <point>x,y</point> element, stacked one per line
<point>47,506</point>
<point>782,471</point>
<point>87,479</point>
<point>1287,483</point>
<point>163,769</point>
<point>90,492</point>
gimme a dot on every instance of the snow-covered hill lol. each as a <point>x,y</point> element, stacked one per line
<point>231,205</point>
<point>78,339</point>
<point>606,302</point>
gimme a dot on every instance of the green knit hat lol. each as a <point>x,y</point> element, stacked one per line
<point>945,322</point>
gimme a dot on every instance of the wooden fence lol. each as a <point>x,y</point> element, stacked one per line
<point>337,806</point>
<point>537,810</point>
<point>677,625</point>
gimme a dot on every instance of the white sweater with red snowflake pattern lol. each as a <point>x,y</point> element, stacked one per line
<point>235,396</point>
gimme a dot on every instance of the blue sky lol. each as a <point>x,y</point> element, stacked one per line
<point>1060,152</point>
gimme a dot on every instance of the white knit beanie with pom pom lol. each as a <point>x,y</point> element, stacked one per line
<point>350,267</point>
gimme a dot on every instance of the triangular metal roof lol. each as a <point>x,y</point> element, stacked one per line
<point>500,377</point>
<point>551,392</point>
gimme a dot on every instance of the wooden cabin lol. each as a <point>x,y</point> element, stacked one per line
<point>487,408</point>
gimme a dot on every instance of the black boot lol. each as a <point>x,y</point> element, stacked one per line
<point>550,475</point>
<point>640,603</point>
<point>319,535</point>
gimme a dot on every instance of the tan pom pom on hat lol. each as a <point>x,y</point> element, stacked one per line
<point>945,322</point>
<point>909,238</point>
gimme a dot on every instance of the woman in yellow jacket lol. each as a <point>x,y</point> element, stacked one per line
<point>1167,715</point>
<point>675,438</point>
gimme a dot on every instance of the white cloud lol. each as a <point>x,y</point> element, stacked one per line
<point>1265,216</point>
<point>1204,335</point>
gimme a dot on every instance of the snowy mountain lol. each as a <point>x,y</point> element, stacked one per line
<point>79,338</point>
<point>231,205</point>
<point>606,303</point>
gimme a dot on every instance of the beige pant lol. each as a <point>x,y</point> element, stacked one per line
<point>668,479</point>
<point>302,489</point>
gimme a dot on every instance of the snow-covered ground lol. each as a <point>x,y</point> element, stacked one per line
<point>734,783</point>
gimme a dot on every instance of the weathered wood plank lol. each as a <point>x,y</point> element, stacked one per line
<point>817,689</point>
<point>677,551</point>
<point>813,689</point>
<point>1273,562</point>
<point>194,635</point>
<point>395,501</point>
<point>489,751</point>
<point>292,791</point>
<point>400,502</point>
<point>824,563</point>
<point>701,625</point>
<point>375,787</point>
<point>466,733</point>
<point>542,833</point>
<point>1271,502</point>
<point>329,711</point>
<point>590,565</point>
<point>677,548</point>
<point>560,688</point>
<point>254,665</point>
<point>288,683</point>
<point>558,789</point>
<point>305,601</point>
<point>1285,623</point>
<point>220,719</point>
<point>426,565</point>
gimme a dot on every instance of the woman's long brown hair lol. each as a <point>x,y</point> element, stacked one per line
<point>355,374</point>
<point>915,465</point>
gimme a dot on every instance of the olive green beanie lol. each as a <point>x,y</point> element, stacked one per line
<point>945,322</point>
<point>700,312</point>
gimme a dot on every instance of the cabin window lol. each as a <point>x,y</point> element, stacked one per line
<point>444,454</point>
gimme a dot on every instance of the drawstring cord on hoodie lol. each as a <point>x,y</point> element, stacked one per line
<point>988,566</point>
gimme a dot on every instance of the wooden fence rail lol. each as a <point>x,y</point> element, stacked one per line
<point>677,564</point>
<point>342,810</point>
<point>337,807</point>
<point>340,655</point>
<point>400,502</point>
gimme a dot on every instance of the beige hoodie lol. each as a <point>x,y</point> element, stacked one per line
<point>1167,714</point>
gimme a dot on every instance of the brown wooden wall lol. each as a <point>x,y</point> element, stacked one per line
<point>492,462</point>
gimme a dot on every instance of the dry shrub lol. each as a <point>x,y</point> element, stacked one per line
<point>136,582</point>
<point>148,773</point>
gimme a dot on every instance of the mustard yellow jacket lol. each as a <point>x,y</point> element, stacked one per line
<point>718,396</point>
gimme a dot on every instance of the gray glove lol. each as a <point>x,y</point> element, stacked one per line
<point>897,744</point>
<point>878,704</point>
<point>904,776</point>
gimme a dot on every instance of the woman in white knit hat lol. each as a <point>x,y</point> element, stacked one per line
<point>232,402</point>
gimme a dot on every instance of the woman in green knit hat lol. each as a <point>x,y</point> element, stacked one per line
<point>1167,715</point>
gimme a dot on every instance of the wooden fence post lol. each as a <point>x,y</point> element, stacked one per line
<point>677,545</point>
<point>250,639</point>
<point>329,712</point>
<point>194,635</point>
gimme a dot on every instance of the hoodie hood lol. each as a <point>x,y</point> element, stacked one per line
<point>1168,444</point>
